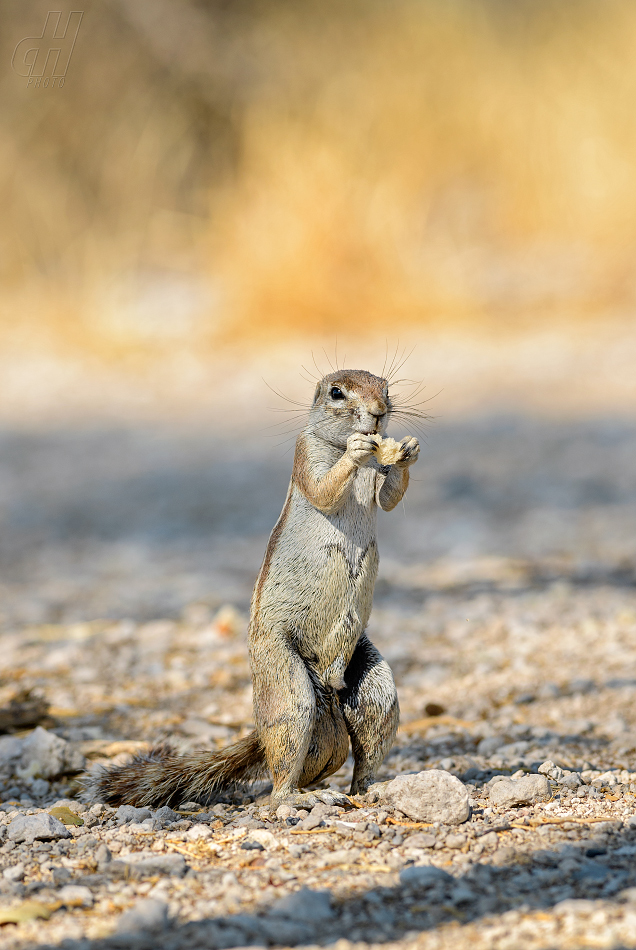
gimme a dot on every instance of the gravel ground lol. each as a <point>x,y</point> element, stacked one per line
<point>506,607</point>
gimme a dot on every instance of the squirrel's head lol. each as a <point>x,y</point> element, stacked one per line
<point>350,400</point>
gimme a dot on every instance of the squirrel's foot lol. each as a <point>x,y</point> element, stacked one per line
<point>360,786</point>
<point>326,796</point>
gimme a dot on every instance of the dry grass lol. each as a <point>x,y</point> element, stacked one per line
<point>212,170</point>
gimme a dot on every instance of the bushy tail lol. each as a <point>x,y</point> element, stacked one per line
<point>165,777</point>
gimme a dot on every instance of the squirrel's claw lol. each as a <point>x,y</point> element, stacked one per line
<point>410,452</point>
<point>330,797</point>
<point>326,796</point>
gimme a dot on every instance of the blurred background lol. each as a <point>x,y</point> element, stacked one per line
<point>222,193</point>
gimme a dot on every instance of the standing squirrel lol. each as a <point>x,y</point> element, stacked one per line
<point>318,680</point>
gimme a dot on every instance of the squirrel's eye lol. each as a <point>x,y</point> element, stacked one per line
<point>336,393</point>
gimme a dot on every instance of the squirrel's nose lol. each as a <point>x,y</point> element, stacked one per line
<point>378,410</point>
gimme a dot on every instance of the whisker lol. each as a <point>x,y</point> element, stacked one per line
<point>393,359</point>
<point>422,402</point>
<point>386,355</point>
<point>285,441</point>
<point>296,416</point>
<point>404,356</point>
<point>406,405</point>
<point>286,398</point>
<point>419,387</point>
<point>322,375</point>
<point>414,418</point>
<point>411,414</point>
<point>328,360</point>
<point>403,360</point>
<point>279,431</point>
<point>316,379</point>
<point>285,422</point>
<point>415,432</point>
<point>293,437</point>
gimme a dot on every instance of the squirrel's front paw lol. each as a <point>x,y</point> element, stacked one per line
<point>410,453</point>
<point>360,447</point>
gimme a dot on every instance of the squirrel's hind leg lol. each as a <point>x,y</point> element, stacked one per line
<point>371,712</point>
<point>299,724</point>
<point>285,710</point>
<point>328,750</point>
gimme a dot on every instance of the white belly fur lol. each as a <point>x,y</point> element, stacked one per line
<point>319,587</point>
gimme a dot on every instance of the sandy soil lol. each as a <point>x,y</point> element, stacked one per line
<point>506,597</point>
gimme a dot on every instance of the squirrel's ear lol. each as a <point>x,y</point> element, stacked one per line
<point>316,394</point>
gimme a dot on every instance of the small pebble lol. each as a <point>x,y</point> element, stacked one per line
<point>147,915</point>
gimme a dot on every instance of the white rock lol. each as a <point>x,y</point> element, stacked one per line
<point>199,832</point>
<point>41,827</point>
<point>269,841</point>
<point>148,914</point>
<point>103,856</point>
<point>10,751</point>
<point>521,791</point>
<point>341,856</point>
<point>15,873</point>
<point>605,778</point>
<point>559,775</point>
<point>421,840</point>
<point>588,775</point>
<point>75,895</point>
<point>489,840</point>
<point>496,778</point>
<point>570,779</point>
<point>454,841</point>
<point>490,745</point>
<point>39,787</point>
<point>45,755</point>
<point>432,795</point>
<point>126,813</point>
<point>150,863</point>
<point>138,828</point>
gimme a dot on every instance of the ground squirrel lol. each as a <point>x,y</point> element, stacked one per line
<point>318,680</point>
